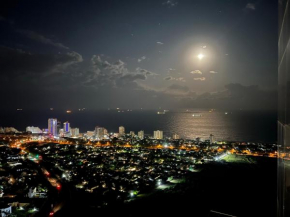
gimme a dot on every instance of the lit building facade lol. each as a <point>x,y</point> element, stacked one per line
<point>52,126</point>
<point>10,130</point>
<point>100,132</point>
<point>175,136</point>
<point>33,130</point>
<point>121,131</point>
<point>158,134</point>
<point>141,134</point>
<point>75,132</point>
<point>66,127</point>
<point>283,110</point>
<point>59,127</point>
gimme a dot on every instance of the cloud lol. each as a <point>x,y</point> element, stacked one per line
<point>144,71</point>
<point>160,43</point>
<point>170,3</point>
<point>170,70</point>
<point>141,59</point>
<point>213,72</point>
<point>16,62</point>
<point>114,75</point>
<point>251,6</point>
<point>169,78</point>
<point>196,72</point>
<point>133,77</point>
<point>200,79</point>
<point>177,89</point>
<point>180,79</point>
<point>40,38</point>
<point>104,67</point>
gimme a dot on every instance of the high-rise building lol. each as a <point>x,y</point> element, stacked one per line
<point>10,130</point>
<point>158,134</point>
<point>66,127</point>
<point>90,133</point>
<point>132,133</point>
<point>283,110</point>
<point>61,133</point>
<point>100,132</point>
<point>33,130</point>
<point>141,134</point>
<point>105,131</point>
<point>175,136</point>
<point>52,126</point>
<point>75,132</point>
<point>211,139</point>
<point>121,131</point>
<point>58,126</point>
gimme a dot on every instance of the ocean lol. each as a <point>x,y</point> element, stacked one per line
<point>248,126</point>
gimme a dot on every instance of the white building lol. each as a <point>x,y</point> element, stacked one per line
<point>158,134</point>
<point>52,126</point>
<point>90,133</point>
<point>75,132</point>
<point>121,131</point>
<point>132,133</point>
<point>33,130</point>
<point>105,131</point>
<point>100,132</point>
<point>10,130</point>
<point>141,134</point>
<point>175,136</point>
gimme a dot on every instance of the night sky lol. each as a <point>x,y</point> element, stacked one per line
<point>138,53</point>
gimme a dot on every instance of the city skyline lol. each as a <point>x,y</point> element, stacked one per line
<point>144,108</point>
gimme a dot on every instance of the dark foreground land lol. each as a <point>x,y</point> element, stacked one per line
<point>239,186</point>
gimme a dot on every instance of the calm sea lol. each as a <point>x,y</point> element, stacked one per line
<point>233,126</point>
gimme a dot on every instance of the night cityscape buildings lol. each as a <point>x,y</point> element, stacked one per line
<point>121,130</point>
<point>66,127</point>
<point>52,126</point>
<point>158,134</point>
<point>144,108</point>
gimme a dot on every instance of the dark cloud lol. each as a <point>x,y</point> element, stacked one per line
<point>250,6</point>
<point>170,3</point>
<point>40,38</point>
<point>178,88</point>
<point>144,71</point>
<point>169,78</point>
<point>16,62</point>
<point>133,77</point>
<point>114,75</point>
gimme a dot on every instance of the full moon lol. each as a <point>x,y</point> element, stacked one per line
<point>200,56</point>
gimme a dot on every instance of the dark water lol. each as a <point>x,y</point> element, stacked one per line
<point>235,126</point>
